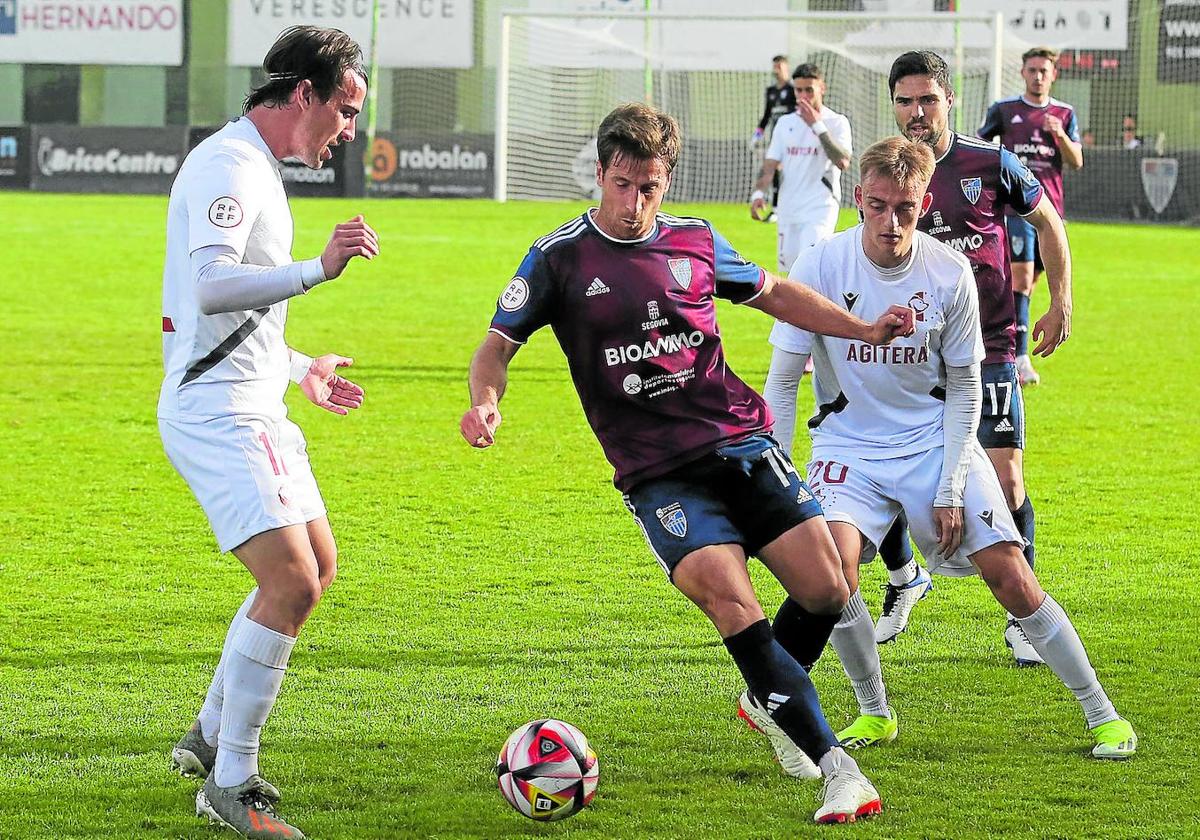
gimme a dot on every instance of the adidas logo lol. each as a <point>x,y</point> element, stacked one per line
<point>803,496</point>
<point>1016,119</point>
<point>775,701</point>
<point>986,516</point>
<point>597,288</point>
<point>1004,426</point>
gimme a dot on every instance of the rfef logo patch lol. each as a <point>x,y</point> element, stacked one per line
<point>515,296</point>
<point>225,212</point>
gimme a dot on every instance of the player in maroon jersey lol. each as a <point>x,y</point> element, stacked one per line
<point>1044,134</point>
<point>629,293</point>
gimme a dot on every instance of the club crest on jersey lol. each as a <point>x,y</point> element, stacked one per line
<point>971,188</point>
<point>673,519</point>
<point>918,305</point>
<point>681,270</point>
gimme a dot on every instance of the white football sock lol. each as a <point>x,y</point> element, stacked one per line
<point>210,712</point>
<point>253,675</point>
<point>837,760</point>
<point>905,575</point>
<point>783,382</point>
<point>1053,636</point>
<point>853,638</point>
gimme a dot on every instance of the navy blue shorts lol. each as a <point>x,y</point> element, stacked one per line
<point>1022,242</point>
<point>1002,421</point>
<point>746,493</point>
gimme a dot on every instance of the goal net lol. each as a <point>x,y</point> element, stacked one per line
<point>559,74</point>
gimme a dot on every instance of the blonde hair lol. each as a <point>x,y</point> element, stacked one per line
<point>907,162</point>
<point>641,132</point>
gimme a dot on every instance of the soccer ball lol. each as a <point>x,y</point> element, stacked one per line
<point>547,771</point>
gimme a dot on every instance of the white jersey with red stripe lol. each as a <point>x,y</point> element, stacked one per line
<point>228,192</point>
<point>888,402</point>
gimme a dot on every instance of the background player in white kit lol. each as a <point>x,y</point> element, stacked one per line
<point>811,148</point>
<point>229,273</point>
<point>895,431</point>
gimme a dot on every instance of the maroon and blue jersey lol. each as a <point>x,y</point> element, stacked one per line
<point>638,325</point>
<point>1020,127</point>
<point>973,184</point>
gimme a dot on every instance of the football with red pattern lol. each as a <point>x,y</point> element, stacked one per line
<point>547,771</point>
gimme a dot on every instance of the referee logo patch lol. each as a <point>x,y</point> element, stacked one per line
<point>515,296</point>
<point>225,212</point>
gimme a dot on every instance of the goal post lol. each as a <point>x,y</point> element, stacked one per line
<point>559,73</point>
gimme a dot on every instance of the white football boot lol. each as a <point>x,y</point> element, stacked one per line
<point>791,758</point>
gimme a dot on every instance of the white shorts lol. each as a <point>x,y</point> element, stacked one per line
<point>870,494</point>
<point>250,473</point>
<point>793,239</point>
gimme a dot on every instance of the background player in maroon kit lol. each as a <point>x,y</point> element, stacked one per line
<point>629,294</point>
<point>1044,134</point>
<point>974,185</point>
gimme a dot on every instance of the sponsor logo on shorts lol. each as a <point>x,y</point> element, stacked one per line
<point>225,212</point>
<point>986,516</point>
<point>803,496</point>
<point>516,295</point>
<point>1018,245</point>
<point>1003,426</point>
<point>673,519</point>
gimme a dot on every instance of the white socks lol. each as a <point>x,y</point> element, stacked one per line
<point>905,575</point>
<point>1053,636</point>
<point>783,382</point>
<point>837,760</point>
<point>853,638</point>
<point>254,672</point>
<point>210,712</point>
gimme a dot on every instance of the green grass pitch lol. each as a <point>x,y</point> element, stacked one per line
<point>479,590</point>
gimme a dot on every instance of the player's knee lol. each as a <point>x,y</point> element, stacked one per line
<point>302,594</point>
<point>1014,584</point>
<point>730,613</point>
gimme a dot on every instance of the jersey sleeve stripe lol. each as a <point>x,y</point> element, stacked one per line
<point>505,336</point>
<point>566,231</point>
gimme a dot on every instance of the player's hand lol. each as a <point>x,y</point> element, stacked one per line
<point>349,240</point>
<point>324,388</point>
<point>1051,330</point>
<point>948,527</point>
<point>897,322</point>
<point>478,426</point>
<point>1053,124</point>
<point>807,112</point>
<point>757,206</point>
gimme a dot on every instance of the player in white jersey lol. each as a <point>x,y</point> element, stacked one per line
<point>811,148</point>
<point>895,431</point>
<point>229,274</point>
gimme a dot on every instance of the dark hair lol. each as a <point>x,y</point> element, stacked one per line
<point>638,131</point>
<point>808,71</point>
<point>920,63</point>
<point>778,58</point>
<point>1040,52</point>
<point>306,52</point>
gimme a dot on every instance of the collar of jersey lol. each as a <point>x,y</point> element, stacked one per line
<point>1033,104</point>
<point>250,130</point>
<point>950,148</point>
<point>888,274</point>
<point>647,238</point>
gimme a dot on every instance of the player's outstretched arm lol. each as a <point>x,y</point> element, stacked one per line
<point>758,199</point>
<point>487,382</point>
<point>351,239</point>
<point>319,381</point>
<point>803,307</point>
<point>1053,328</point>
